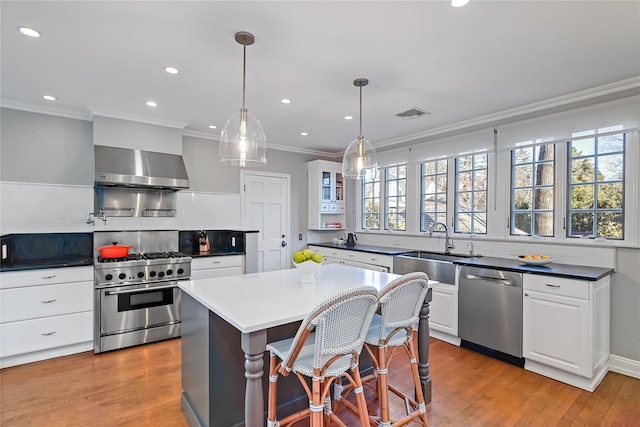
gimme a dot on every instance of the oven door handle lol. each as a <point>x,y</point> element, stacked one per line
<point>134,291</point>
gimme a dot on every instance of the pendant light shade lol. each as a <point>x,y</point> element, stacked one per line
<point>360,155</point>
<point>242,139</point>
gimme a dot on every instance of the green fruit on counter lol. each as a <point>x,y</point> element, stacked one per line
<point>318,257</point>
<point>307,253</point>
<point>299,257</point>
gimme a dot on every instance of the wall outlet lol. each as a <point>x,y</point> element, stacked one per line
<point>300,236</point>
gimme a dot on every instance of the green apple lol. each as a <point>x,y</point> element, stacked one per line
<point>299,257</point>
<point>317,257</point>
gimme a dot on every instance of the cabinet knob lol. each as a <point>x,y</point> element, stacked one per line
<point>526,295</point>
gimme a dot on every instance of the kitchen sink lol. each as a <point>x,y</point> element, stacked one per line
<point>438,266</point>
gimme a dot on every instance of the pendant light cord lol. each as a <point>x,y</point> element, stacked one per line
<point>360,111</point>
<point>244,72</point>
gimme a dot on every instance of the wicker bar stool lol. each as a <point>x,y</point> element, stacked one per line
<point>396,326</point>
<point>326,347</point>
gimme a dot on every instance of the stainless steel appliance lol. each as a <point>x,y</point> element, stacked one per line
<point>137,299</point>
<point>490,309</point>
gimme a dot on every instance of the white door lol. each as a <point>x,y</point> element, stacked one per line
<point>265,207</point>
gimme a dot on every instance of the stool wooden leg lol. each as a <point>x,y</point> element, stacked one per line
<point>273,391</point>
<point>416,383</point>
<point>383,387</point>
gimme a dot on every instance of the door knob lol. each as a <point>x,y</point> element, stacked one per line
<point>283,243</point>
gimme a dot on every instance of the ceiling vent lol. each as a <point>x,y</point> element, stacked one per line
<point>412,113</point>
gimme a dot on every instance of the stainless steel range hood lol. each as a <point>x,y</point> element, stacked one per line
<point>126,167</point>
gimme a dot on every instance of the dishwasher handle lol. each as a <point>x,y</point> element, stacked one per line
<point>505,282</point>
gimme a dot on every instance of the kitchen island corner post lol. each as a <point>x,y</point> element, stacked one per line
<point>254,345</point>
<point>423,347</point>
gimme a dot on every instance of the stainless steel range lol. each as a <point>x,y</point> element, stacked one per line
<point>137,299</point>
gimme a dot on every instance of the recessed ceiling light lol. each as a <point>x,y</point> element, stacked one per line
<point>459,3</point>
<point>285,101</point>
<point>304,133</point>
<point>348,117</point>
<point>152,104</point>
<point>29,31</point>
<point>213,127</point>
<point>49,97</point>
<point>171,70</point>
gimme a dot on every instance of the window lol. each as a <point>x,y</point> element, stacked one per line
<point>371,200</point>
<point>471,194</point>
<point>596,187</point>
<point>532,195</point>
<point>433,193</point>
<point>396,198</point>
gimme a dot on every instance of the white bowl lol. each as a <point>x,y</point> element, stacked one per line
<point>534,261</point>
<point>309,268</point>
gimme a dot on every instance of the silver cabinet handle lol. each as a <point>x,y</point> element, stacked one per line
<point>135,291</point>
<point>46,334</point>
<point>49,301</point>
<point>350,255</point>
<point>216,262</point>
<point>49,277</point>
<point>552,286</point>
<point>490,279</point>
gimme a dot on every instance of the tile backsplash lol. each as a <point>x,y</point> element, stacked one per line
<point>51,208</point>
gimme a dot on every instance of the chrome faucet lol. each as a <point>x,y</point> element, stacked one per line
<point>471,250</point>
<point>447,244</point>
<point>92,216</point>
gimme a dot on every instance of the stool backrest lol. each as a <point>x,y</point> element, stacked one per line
<point>340,322</point>
<point>401,301</point>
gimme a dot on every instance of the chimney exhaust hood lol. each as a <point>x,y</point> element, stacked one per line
<point>125,167</point>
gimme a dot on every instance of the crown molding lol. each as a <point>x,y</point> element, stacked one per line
<point>134,118</point>
<point>608,92</point>
<point>49,111</point>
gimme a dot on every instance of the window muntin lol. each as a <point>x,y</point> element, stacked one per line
<point>433,193</point>
<point>371,200</point>
<point>532,190</point>
<point>471,194</point>
<point>596,187</point>
<point>396,198</point>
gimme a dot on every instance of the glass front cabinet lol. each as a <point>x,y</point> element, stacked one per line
<point>326,195</point>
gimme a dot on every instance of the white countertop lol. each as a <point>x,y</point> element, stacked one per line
<point>252,302</point>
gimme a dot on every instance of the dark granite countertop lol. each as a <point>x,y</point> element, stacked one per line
<point>365,248</point>
<point>212,254</point>
<point>554,269</point>
<point>38,264</point>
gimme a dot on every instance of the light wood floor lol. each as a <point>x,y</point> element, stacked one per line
<point>141,386</point>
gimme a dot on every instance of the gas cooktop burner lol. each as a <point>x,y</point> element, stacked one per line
<point>145,256</point>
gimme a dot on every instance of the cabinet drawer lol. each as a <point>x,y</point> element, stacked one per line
<point>47,276</point>
<point>556,286</point>
<point>216,262</point>
<point>348,255</point>
<point>42,334</point>
<point>33,302</point>
<point>325,207</point>
<point>215,272</point>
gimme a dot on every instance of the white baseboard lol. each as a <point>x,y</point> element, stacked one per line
<point>624,366</point>
<point>444,337</point>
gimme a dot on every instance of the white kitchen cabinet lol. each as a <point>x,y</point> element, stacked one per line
<point>326,197</point>
<point>45,313</point>
<point>443,314</point>
<point>566,328</point>
<point>216,266</point>
<point>369,260</point>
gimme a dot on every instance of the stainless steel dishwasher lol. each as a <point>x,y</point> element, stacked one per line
<point>490,309</point>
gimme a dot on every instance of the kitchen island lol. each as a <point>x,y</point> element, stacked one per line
<point>226,324</point>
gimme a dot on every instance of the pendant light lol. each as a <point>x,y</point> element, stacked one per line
<point>360,154</point>
<point>242,139</point>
